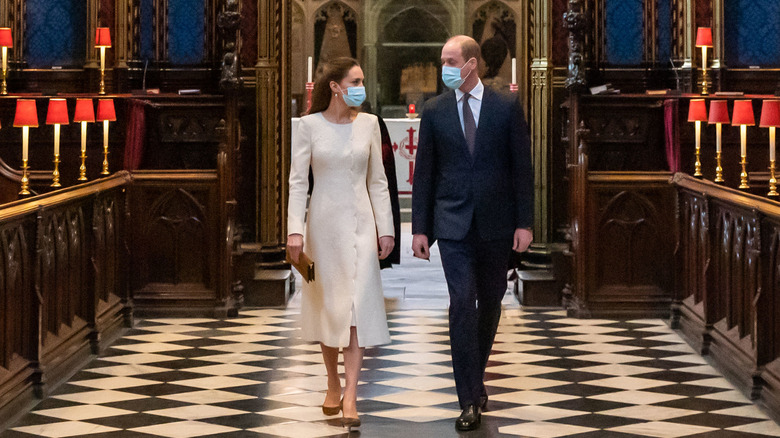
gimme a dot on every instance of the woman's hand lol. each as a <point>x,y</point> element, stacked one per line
<point>386,245</point>
<point>295,246</point>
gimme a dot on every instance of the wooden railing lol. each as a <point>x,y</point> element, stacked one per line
<point>727,298</point>
<point>63,284</point>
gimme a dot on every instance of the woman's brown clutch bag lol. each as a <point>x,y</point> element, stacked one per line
<point>305,266</point>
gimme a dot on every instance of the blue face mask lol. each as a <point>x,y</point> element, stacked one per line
<point>451,76</point>
<point>354,95</point>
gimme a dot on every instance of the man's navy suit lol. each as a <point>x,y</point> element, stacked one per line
<point>472,204</point>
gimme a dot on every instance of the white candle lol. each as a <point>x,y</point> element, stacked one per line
<point>704,58</point>
<point>56,139</point>
<point>717,137</point>
<point>25,140</point>
<point>698,135</point>
<point>83,136</point>
<point>310,70</point>
<point>771,143</point>
<point>105,133</point>
<point>5,59</point>
<point>102,58</point>
<point>743,140</point>
<point>514,70</point>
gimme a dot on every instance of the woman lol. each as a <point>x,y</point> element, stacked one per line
<point>349,222</point>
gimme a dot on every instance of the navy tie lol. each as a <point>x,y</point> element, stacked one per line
<point>469,126</point>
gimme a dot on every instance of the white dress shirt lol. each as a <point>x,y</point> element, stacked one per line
<point>475,102</point>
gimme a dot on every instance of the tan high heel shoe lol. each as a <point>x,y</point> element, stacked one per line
<point>349,423</point>
<point>333,410</point>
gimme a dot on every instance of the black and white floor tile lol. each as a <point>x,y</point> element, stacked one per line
<point>549,376</point>
<point>251,376</point>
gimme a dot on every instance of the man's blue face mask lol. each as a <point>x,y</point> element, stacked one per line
<point>451,76</point>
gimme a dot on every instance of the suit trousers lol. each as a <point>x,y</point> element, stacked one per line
<point>476,274</point>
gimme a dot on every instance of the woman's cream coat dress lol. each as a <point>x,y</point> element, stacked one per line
<point>349,208</point>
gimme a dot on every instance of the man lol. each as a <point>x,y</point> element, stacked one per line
<point>473,191</point>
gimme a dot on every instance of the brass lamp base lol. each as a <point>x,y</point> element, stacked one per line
<point>4,84</point>
<point>25,189</point>
<point>772,180</point>
<point>105,162</point>
<point>102,81</point>
<point>705,82</point>
<point>56,174</point>
<point>83,167</point>
<point>697,170</point>
<point>718,169</point>
<point>743,176</point>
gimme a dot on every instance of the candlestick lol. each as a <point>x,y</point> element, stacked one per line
<point>309,76</point>
<point>102,70</point>
<point>4,85</point>
<point>514,70</point>
<point>743,176</point>
<point>55,176</point>
<point>83,167</point>
<point>25,189</point>
<point>697,169</point>
<point>718,169</point>
<point>772,180</point>
<point>105,148</point>
<point>772,143</point>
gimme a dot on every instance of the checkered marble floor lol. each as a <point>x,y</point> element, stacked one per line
<point>549,376</point>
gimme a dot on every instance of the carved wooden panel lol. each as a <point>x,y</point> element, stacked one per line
<point>16,305</point>
<point>107,253</point>
<point>174,239</point>
<point>630,253</point>
<point>694,238</point>
<point>736,245</point>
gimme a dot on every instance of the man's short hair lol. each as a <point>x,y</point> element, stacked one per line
<point>468,47</point>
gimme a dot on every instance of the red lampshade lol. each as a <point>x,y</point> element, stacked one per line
<point>743,113</point>
<point>704,37</point>
<point>697,111</point>
<point>85,111</point>
<point>719,112</point>
<point>105,110</point>
<point>6,37</point>
<point>26,113</point>
<point>770,114</point>
<point>102,37</point>
<point>58,112</point>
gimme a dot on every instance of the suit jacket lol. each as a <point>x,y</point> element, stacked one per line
<point>493,188</point>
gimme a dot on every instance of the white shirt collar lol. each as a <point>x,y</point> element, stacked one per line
<point>475,92</point>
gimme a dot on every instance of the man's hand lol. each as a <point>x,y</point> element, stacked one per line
<point>523,239</point>
<point>295,246</point>
<point>386,245</point>
<point>420,247</point>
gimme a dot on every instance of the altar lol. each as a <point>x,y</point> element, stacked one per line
<point>403,136</point>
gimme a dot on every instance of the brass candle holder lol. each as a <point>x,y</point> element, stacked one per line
<point>743,176</point>
<point>83,167</point>
<point>718,169</point>
<point>25,189</point>
<point>772,180</point>
<point>55,175</point>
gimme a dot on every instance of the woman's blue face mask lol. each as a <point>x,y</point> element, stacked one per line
<point>354,95</point>
<point>451,76</point>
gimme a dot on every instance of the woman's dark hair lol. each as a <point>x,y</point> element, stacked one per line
<point>335,70</point>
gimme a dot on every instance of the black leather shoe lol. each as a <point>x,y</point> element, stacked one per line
<point>469,419</point>
<point>483,402</point>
